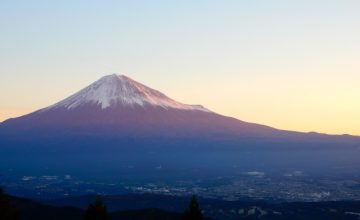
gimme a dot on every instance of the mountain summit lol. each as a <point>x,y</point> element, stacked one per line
<point>119,90</point>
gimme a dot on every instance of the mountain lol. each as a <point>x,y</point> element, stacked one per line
<point>116,104</point>
<point>117,128</point>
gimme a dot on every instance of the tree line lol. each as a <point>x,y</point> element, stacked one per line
<point>98,211</point>
<point>95,211</point>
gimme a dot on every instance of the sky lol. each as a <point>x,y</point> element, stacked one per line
<point>293,65</point>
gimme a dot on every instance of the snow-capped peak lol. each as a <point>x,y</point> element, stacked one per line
<point>113,90</point>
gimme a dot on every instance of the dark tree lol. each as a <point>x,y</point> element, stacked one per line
<point>96,211</point>
<point>193,212</point>
<point>6,211</point>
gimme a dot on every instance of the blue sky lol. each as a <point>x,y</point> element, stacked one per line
<point>289,64</point>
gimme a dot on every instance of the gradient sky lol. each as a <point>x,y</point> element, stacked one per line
<point>288,64</point>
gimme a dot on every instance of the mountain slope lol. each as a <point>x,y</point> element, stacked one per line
<point>118,104</point>
<point>116,123</point>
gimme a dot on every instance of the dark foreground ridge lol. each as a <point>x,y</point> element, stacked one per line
<point>30,210</point>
